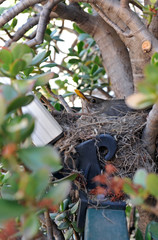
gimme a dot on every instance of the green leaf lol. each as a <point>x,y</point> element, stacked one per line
<point>65,204</point>
<point>53,32</point>
<point>152,184</point>
<point>83,36</point>
<point>61,216</point>
<point>94,69</point>
<point>49,65</point>
<point>140,177</point>
<point>8,92</point>
<point>127,187</point>
<point>19,128</point>
<point>154,59</point>
<point>28,70</point>
<point>100,70</point>
<point>57,38</point>
<point>61,83</point>
<point>6,57</point>
<point>63,225</point>
<point>44,78</point>
<point>80,46</point>
<point>97,60</point>
<point>77,29</point>
<point>17,66</point>
<point>139,235</point>
<point>68,234</point>
<point>19,102</point>
<point>74,60</point>
<point>27,57</point>
<point>8,192</point>
<point>14,23</point>
<point>151,73</point>
<point>79,230</point>
<point>152,231</point>
<point>38,58</point>
<point>140,101</point>
<point>30,227</point>
<point>19,49</point>
<point>2,109</point>
<point>36,158</point>
<point>10,186</point>
<point>57,106</point>
<point>24,86</point>
<point>70,177</point>
<point>53,215</point>
<point>10,209</point>
<point>37,184</point>
<point>74,208</point>
<point>59,192</point>
<point>76,78</point>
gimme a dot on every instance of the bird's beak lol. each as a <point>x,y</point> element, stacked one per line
<point>81,95</point>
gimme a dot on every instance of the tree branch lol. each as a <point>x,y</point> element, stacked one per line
<point>14,11</point>
<point>113,25</point>
<point>151,131</point>
<point>1,1</point>
<point>42,24</point>
<point>23,29</point>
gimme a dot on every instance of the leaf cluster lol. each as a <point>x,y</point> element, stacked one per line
<point>25,187</point>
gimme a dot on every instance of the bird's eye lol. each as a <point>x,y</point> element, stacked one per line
<point>93,100</point>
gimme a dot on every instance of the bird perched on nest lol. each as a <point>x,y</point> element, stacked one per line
<point>94,105</point>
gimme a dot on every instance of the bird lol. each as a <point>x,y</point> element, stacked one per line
<point>108,107</point>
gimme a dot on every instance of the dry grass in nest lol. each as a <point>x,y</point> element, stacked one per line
<point>127,130</point>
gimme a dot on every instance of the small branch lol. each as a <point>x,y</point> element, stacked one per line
<point>47,103</point>
<point>132,220</point>
<point>134,2</point>
<point>113,25</point>
<point>1,1</point>
<point>48,225</point>
<point>42,24</point>
<point>9,35</point>
<point>14,11</point>
<point>106,94</point>
<point>23,29</point>
<point>61,99</point>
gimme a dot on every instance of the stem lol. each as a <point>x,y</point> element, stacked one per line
<point>48,225</point>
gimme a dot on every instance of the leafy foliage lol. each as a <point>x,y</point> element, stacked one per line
<point>26,191</point>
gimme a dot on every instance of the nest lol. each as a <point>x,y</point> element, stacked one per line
<point>127,130</point>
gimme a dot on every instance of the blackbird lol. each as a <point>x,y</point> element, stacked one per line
<point>110,107</point>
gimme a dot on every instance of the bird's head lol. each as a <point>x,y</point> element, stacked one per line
<point>90,104</point>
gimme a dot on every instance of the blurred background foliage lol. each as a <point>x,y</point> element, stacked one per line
<point>67,51</point>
